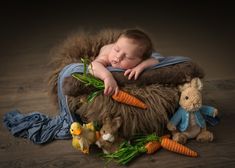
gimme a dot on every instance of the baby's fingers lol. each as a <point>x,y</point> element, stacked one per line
<point>116,91</point>
<point>127,72</point>
<point>105,90</point>
<point>137,75</point>
<point>109,91</point>
<point>132,74</point>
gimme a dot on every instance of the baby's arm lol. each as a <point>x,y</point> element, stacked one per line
<point>98,69</point>
<point>136,71</point>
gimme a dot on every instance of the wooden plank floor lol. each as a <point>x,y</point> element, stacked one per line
<point>22,86</point>
<point>31,31</point>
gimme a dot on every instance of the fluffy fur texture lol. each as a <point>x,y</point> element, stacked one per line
<point>74,48</point>
<point>171,76</point>
<point>161,101</point>
<point>155,87</point>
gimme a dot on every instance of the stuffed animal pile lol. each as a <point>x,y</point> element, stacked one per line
<point>186,123</point>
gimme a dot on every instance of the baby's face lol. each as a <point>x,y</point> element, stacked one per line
<point>126,53</point>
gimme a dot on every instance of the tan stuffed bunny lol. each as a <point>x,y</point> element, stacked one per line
<point>188,121</point>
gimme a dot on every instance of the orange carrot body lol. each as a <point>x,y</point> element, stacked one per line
<point>174,146</point>
<point>97,135</point>
<point>126,98</point>
<point>152,147</point>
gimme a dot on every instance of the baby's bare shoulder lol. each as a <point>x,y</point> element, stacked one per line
<point>106,48</point>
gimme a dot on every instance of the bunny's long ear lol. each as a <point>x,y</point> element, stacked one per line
<point>197,83</point>
<point>183,87</point>
<point>106,119</point>
<point>116,122</point>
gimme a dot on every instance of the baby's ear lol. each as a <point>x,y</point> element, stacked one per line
<point>197,83</point>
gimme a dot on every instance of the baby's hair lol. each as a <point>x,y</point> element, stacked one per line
<point>142,37</point>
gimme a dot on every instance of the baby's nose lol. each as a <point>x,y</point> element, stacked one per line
<point>116,59</point>
<point>119,57</point>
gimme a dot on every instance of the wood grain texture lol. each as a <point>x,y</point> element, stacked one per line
<point>29,32</point>
<point>25,89</point>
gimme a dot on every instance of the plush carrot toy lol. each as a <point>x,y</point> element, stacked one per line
<point>121,96</point>
<point>174,146</point>
<point>152,147</point>
<point>124,97</point>
<point>148,144</point>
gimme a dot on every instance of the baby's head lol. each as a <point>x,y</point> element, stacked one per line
<point>131,47</point>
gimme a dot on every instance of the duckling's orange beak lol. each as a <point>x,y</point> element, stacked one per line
<point>77,132</point>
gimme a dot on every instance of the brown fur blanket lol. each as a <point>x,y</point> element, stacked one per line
<point>157,88</point>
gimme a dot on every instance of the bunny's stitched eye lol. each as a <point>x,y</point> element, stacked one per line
<point>186,97</point>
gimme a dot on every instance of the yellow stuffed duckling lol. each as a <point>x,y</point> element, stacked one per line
<point>83,136</point>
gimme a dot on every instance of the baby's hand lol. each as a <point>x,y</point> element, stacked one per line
<point>111,86</point>
<point>215,113</point>
<point>134,72</point>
